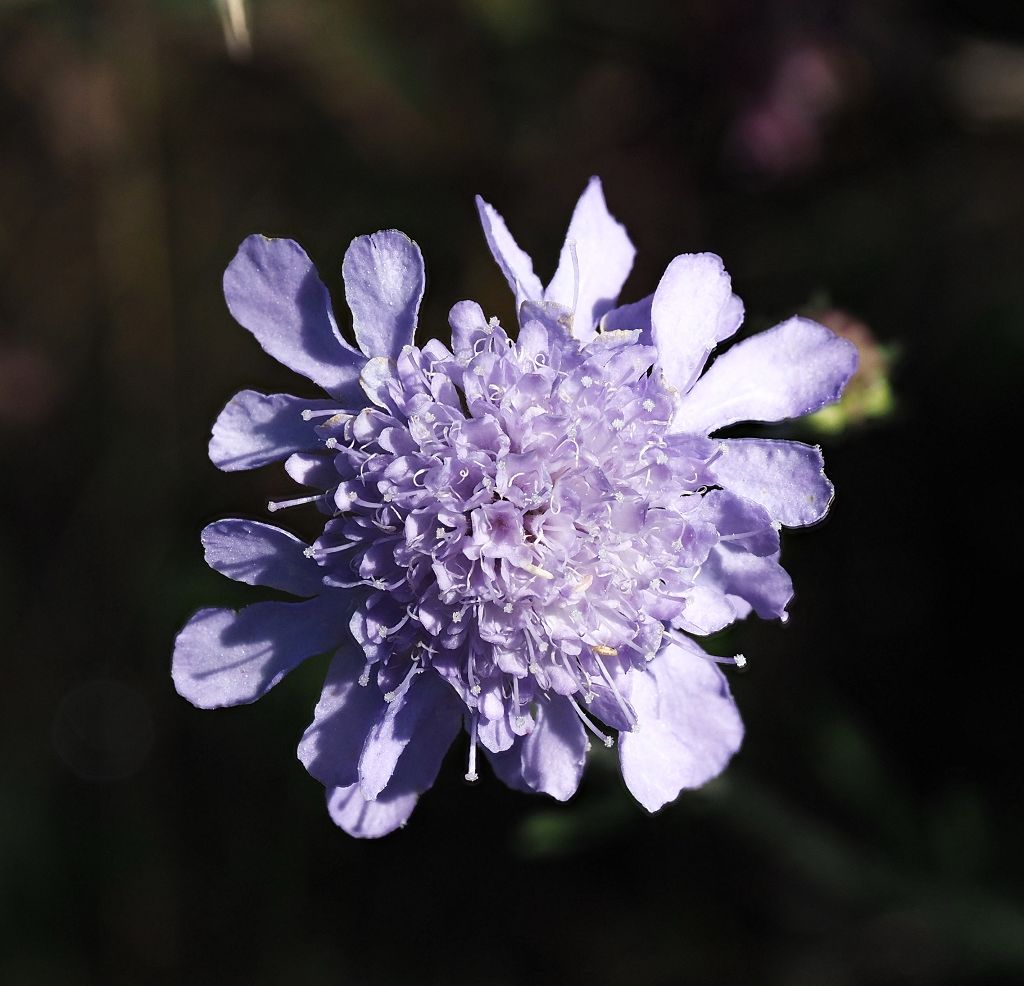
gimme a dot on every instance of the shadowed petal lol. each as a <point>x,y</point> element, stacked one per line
<point>273,290</point>
<point>259,554</point>
<point>384,281</point>
<point>255,429</point>
<point>556,319</point>
<point>707,610</point>
<point>344,716</point>
<point>687,730</point>
<point>786,478</point>
<point>749,581</point>
<point>363,819</point>
<point>415,773</point>
<point>495,734</point>
<point>508,766</point>
<point>792,369</point>
<point>589,282</point>
<point>223,657</point>
<point>514,262</point>
<point>469,324</point>
<point>312,469</point>
<point>605,706</point>
<point>635,317</point>
<point>741,523</point>
<point>693,309</point>
<point>417,697</point>
<point>554,753</point>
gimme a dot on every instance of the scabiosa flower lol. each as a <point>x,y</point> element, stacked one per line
<point>524,532</point>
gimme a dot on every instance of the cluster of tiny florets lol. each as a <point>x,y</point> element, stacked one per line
<point>519,518</point>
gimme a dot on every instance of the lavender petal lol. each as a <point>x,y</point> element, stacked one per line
<point>688,727</point>
<point>384,280</point>
<point>273,290</point>
<point>792,369</point>
<point>259,554</point>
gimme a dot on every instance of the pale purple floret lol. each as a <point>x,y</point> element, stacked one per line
<point>523,531</point>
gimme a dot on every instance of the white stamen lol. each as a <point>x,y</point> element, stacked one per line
<point>618,424</point>
<point>471,774</point>
<point>739,536</point>
<point>273,506</point>
<point>619,700</point>
<point>390,631</point>
<point>364,678</point>
<point>508,608</point>
<point>585,719</point>
<point>587,381</point>
<point>648,405</point>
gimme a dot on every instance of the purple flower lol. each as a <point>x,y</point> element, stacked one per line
<point>523,533</point>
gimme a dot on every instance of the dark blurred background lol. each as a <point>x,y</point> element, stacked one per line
<point>860,160</point>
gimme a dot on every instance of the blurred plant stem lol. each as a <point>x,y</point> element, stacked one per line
<point>234,21</point>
